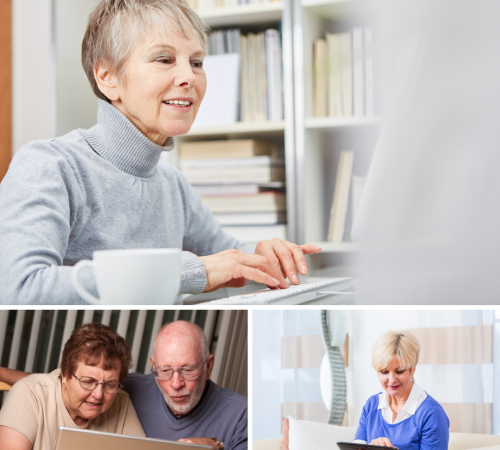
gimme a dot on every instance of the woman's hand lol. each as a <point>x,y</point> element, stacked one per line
<point>232,268</point>
<point>285,256</point>
<point>383,442</point>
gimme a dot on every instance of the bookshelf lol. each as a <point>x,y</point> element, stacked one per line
<point>319,140</point>
<point>312,144</point>
<point>252,18</point>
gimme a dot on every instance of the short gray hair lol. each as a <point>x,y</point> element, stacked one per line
<point>116,26</point>
<point>198,331</point>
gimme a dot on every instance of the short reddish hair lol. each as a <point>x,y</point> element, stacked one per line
<point>95,344</point>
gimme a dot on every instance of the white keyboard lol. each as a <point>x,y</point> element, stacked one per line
<point>311,291</point>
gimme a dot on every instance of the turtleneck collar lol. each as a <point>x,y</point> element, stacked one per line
<point>116,139</point>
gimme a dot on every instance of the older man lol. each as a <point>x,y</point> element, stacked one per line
<point>178,401</point>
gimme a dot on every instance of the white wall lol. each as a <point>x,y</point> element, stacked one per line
<point>51,94</point>
<point>33,109</point>
<point>76,103</point>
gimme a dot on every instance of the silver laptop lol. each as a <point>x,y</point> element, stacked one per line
<point>74,439</point>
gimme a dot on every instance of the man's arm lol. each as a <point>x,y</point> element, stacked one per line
<point>10,376</point>
<point>200,441</point>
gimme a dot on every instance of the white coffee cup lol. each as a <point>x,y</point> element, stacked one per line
<point>133,277</point>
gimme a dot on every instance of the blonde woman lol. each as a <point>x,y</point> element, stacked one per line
<point>403,415</point>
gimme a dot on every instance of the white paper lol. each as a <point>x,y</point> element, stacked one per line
<point>220,105</point>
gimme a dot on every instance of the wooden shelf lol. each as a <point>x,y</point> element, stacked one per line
<point>341,122</point>
<point>242,14</point>
<point>239,128</point>
<point>337,247</point>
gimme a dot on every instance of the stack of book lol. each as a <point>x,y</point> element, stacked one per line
<point>261,88</point>
<point>243,184</point>
<point>343,74</point>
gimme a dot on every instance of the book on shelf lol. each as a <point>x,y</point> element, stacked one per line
<point>243,148</point>
<point>256,161</point>
<point>369,75</point>
<point>340,202</point>
<point>221,101</point>
<point>262,202</point>
<point>261,87</point>
<point>320,78</point>
<point>263,174</point>
<point>358,87</point>
<point>241,181</point>
<point>272,44</point>
<point>224,41</point>
<point>254,234</point>
<point>253,218</point>
<point>334,82</point>
<point>347,87</point>
<point>232,189</point>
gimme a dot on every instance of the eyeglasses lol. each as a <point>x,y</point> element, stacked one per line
<point>89,384</point>
<point>188,373</point>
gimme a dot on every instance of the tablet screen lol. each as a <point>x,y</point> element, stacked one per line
<point>358,446</point>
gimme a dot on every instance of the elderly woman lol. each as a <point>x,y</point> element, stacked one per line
<point>104,188</point>
<point>403,416</point>
<point>95,362</point>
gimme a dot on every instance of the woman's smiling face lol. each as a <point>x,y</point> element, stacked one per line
<point>161,72</point>
<point>395,380</point>
<point>81,404</point>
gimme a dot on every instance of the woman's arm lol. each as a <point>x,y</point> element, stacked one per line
<point>19,418</point>
<point>205,238</point>
<point>361,431</point>
<point>11,439</point>
<point>39,203</point>
<point>435,431</point>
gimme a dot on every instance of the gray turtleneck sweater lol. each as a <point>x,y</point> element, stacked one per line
<point>96,189</point>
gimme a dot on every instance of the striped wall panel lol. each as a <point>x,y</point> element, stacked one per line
<point>455,345</point>
<point>33,341</point>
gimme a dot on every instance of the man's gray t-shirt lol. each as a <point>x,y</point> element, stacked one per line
<point>221,413</point>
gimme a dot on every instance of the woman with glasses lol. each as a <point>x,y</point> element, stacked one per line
<point>84,393</point>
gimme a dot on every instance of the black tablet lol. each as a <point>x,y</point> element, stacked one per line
<point>358,446</point>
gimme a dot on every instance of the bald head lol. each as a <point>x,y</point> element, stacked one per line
<point>181,345</point>
<point>181,333</point>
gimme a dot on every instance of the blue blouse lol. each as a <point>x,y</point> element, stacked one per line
<point>427,429</point>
